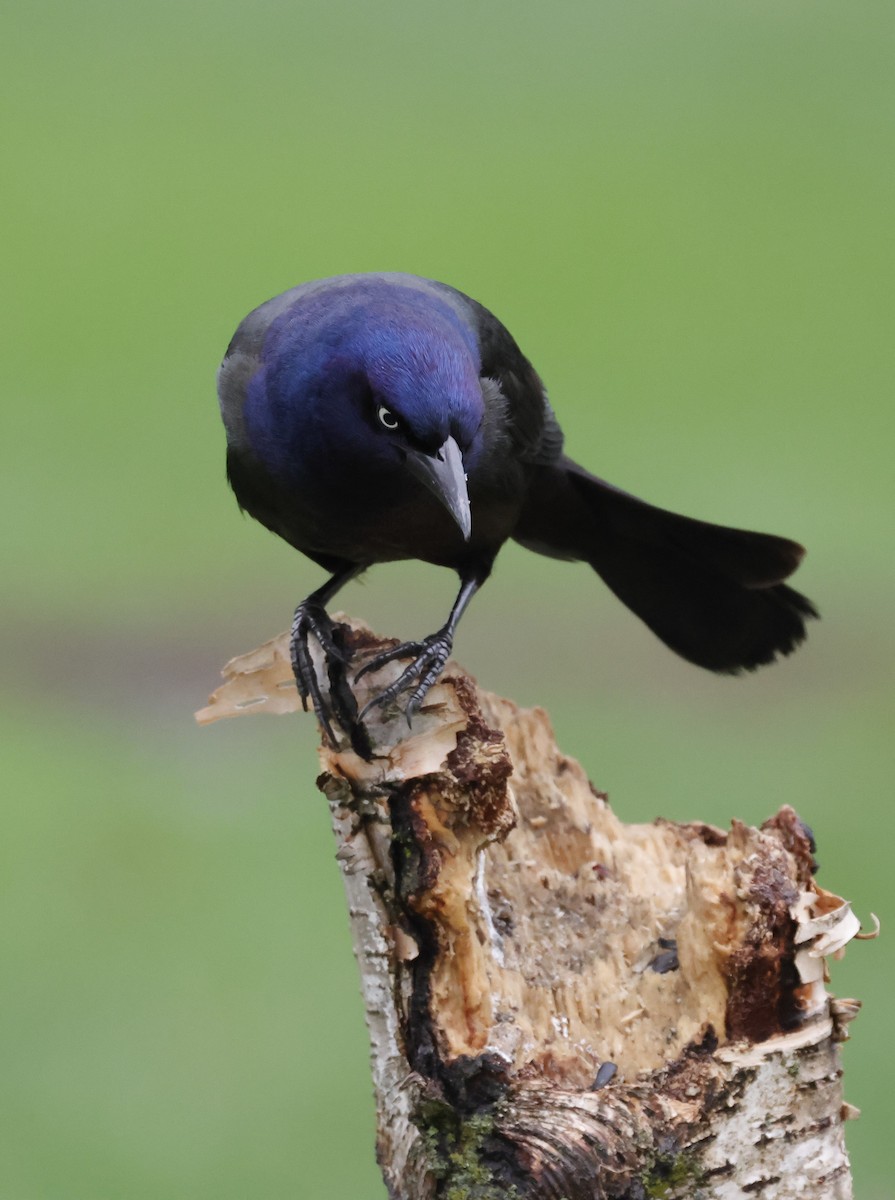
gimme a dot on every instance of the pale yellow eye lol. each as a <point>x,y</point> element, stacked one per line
<point>387,417</point>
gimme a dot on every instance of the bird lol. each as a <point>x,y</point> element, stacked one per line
<point>377,417</point>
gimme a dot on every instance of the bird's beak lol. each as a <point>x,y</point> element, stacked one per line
<point>443,474</point>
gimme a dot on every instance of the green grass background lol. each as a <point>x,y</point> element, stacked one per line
<point>684,212</point>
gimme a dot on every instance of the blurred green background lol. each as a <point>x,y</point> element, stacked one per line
<point>684,214</point>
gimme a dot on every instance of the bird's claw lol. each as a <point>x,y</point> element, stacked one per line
<point>429,659</point>
<point>404,650</point>
<point>311,619</point>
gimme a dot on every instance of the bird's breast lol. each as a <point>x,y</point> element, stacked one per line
<point>417,528</point>
<point>413,526</point>
<point>358,520</point>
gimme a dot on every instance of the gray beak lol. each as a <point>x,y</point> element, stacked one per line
<point>443,474</point>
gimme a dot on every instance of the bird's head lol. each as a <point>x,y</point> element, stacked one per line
<point>370,392</point>
<point>425,399</point>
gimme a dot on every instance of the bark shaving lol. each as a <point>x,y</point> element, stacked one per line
<point>562,1006</point>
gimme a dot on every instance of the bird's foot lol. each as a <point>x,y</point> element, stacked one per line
<point>429,659</point>
<point>312,620</point>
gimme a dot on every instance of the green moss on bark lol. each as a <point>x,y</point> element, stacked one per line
<point>455,1147</point>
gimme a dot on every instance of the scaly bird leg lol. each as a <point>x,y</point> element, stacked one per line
<point>429,656</point>
<point>312,619</point>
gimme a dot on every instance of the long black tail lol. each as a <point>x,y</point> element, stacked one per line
<point>713,595</point>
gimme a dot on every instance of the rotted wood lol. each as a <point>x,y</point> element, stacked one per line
<point>562,1006</point>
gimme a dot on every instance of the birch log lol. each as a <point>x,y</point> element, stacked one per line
<point>562,1006</point>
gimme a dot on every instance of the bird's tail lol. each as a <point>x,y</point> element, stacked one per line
<point>714,595</point>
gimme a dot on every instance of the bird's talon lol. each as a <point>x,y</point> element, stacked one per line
<point>404,650</point>
<point>429,660</point>
<point>378,701</point>
<point>371,704</point>
<point>333,651</point>
<point>328,732</point>
<point>311,620</point>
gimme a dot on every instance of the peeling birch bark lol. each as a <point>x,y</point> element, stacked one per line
<point>562,1006</point>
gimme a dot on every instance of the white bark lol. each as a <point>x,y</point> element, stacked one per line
<point>562,1004</point>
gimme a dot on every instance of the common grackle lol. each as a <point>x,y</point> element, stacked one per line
<point>379,417</point>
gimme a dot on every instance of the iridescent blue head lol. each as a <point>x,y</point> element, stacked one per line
<point>363,383</point>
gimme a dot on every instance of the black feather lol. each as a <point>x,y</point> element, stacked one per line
<point>712,594</point>
<point>471,456</point>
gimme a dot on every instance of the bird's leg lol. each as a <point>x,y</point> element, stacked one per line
<point>429,655</point>
<point>311,618</point>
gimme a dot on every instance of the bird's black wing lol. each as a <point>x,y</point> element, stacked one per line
<point>531,423</point>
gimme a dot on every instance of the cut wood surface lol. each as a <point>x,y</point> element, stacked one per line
<point>562,1006</point>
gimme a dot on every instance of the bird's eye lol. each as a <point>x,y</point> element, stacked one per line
<point>387,417</point>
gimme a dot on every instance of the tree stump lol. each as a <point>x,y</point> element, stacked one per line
<point>562,1006</point>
